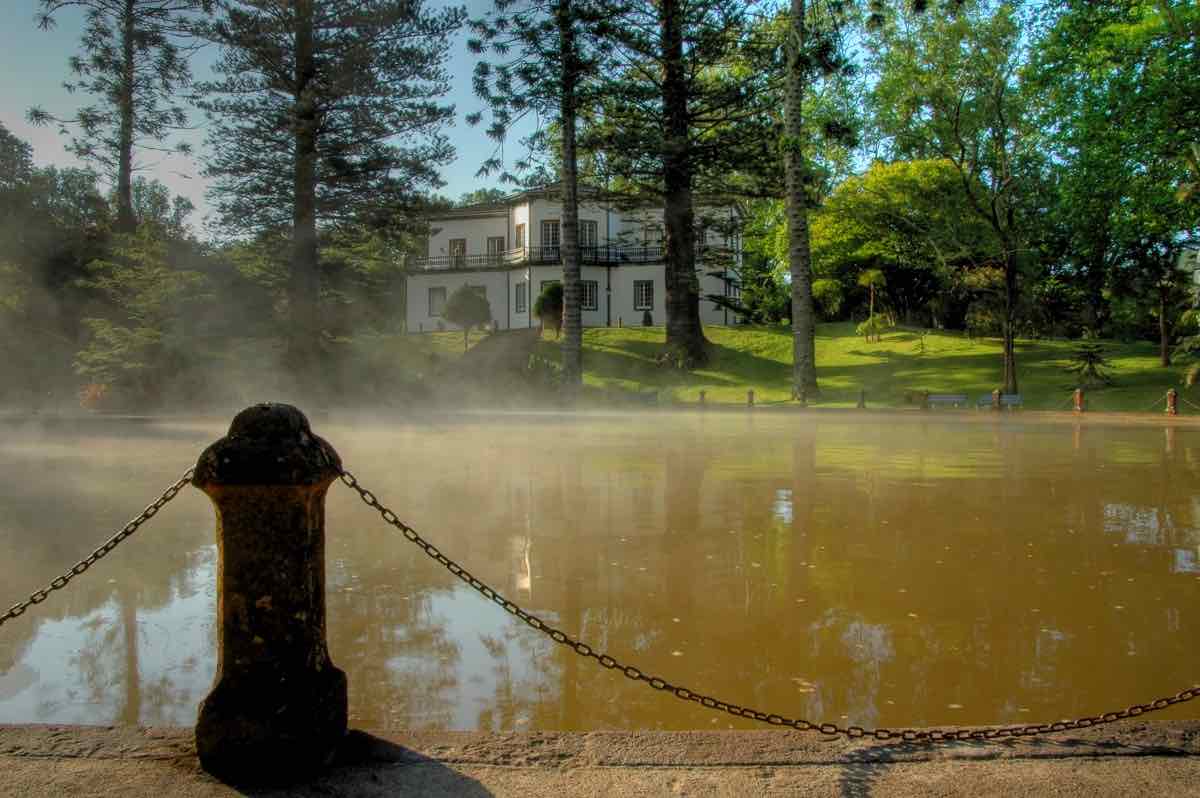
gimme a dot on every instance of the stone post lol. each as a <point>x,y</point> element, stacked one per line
<point>1079,400</point>
<point>996,399</point>
<point>1172,402</point>
<point>750,398</point>
<point>277,708</point>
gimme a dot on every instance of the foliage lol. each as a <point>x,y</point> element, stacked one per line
<point>829,296</point>
<point>909,220</point>
<point>1090,365</point>
<point>547,308</point>
<point>951,87</point>
<point>468,307</point>
<point>873,327</point>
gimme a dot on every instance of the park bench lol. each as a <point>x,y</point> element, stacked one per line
<point>1008,400</point>
<point>952,399</point>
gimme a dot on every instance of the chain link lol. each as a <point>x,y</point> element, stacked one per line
<point>58,583</point>
<point>933,735</point>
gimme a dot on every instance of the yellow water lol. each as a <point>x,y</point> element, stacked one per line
<point>859,570</point>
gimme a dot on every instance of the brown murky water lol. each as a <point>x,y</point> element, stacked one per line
<point>877,571</point>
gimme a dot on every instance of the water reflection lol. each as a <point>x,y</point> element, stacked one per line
<point>871,572</point>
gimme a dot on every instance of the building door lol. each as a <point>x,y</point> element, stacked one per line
<point>550,241</point>
<point>458,252</point>
<point>495,248</point>
<point>587,240</point>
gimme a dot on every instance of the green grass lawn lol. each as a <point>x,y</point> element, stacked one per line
<point>760,358</point>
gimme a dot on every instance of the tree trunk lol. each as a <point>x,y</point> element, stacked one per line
<point>684,333</point>
<point>126,221</point>
<point>1010,318</point>
<point>804,323</point>
<point>304,285</point>
<point>572,349</point>
<point>1164,334</point>
<point>132,712</point>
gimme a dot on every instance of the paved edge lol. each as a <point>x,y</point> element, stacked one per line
<point>640,749</point>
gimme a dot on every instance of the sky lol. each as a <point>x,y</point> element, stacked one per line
<point>33,66</point>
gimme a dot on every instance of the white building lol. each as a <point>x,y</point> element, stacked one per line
<point>510,250</point>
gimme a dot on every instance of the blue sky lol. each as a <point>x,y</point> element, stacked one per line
<point>33,66</point>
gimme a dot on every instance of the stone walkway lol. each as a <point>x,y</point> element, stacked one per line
<point>1131,758</point>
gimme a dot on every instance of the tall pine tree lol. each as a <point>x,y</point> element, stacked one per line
<point>327,114</point>
<point>134,62</point>
<point>549,49</point>
<point>674,113</point>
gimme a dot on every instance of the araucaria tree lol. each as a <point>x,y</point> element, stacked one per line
<point>549,49</point>
<point>678,110</point>
<point>134,62</point>
<point>327,113</point>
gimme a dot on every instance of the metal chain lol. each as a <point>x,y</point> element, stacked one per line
<point>38,596</point>
<point>1188,402</point>
<point>686,694</point>
<point>1156,403</point>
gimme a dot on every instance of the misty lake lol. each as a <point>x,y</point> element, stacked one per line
<point>855,569</point>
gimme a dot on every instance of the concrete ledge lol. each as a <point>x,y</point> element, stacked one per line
<point>1148,757</point>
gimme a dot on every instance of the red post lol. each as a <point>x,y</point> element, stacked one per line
<point>1079,400</point>
<point>1172,402</point>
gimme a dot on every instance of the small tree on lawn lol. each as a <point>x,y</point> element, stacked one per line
<point>549,307</point>
<point>872,279</point>
<point>468,307</point>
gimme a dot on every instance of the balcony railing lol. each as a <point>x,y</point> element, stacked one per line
<point>540,255</point>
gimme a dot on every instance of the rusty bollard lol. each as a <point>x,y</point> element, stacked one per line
<point>1172,402</point>
<point>1078,400</point>
<point>996,399</point>
<point>749,398</point>
<point>277,708</point>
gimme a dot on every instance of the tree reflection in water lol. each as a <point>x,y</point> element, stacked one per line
<point>873,572</point>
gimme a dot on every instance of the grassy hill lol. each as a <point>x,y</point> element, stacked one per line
<point>899,365</point>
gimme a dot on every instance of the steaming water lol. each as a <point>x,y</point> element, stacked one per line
<point>877,571</point>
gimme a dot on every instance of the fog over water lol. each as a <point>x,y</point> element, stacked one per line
<point>855,569</point>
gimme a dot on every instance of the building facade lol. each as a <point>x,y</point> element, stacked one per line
<point>510,250</point>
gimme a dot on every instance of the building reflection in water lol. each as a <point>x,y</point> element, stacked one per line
<point>895,572</point>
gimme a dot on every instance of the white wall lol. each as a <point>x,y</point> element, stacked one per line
<point>622,294</point>
<point>498,288</point>
<point>476,231</point>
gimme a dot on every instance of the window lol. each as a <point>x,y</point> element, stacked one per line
<point>522,303</point>
<point>458,251</point>
<point>643,295</point>
<point>495,245</point>
<point>588,293</point>
<point>520,242</point>
<point>437,300</point>
<point>542,287</point>
<point>587,233</point>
